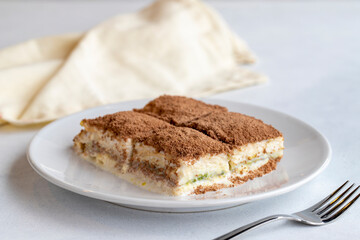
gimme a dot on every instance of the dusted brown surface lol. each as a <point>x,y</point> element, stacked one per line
<point>128,124</point>
<point>214,121</point>
<point>176,142</point>
<point>177,109</point>
<point>184,143</point>
<point>232,128</point>
<point>197,128</point>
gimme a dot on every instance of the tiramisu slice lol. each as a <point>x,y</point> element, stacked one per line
<point>154,154</point>
<point>181,146</point>
<point>255,147</point>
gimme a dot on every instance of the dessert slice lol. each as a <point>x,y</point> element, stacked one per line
<point>255,147</point>
<point>180,146</point>
<point>154,154</point>
<point>108,141</point>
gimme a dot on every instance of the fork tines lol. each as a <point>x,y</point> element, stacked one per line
<point>330,211</point>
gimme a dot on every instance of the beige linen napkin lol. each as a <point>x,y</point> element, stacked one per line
<point>172,46</point>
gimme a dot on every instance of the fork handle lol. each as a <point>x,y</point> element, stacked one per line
<point>254,225</point>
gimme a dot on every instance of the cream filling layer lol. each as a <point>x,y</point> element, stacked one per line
<point>255,150</point>
<point>206,167</point>
<point>240,169</point>
<point>244,159</point>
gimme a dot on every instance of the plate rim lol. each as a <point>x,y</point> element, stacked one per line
<point>178,203</point>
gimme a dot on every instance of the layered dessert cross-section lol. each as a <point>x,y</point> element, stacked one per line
<point>153,154</point>
<point>180,146</point>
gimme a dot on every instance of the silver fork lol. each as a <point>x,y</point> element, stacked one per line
<point>319,214</point>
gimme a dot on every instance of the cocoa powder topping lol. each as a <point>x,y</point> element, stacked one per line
<point>177,142</point>
<point>128,124</point>
<point>184,128</point>
<point>232,128</point>
<point>184,143</point>
<point>177,109</point>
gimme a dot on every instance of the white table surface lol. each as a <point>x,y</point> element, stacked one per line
<point>310,50</point>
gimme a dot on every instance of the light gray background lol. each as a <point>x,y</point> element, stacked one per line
<point>309,49</point>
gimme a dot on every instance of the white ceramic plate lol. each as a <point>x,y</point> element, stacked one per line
<point>306,154</point>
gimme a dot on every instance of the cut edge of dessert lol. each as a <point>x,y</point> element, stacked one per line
<point>180,146</point>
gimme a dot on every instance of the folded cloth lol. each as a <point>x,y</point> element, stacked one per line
<point>177,47</point>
